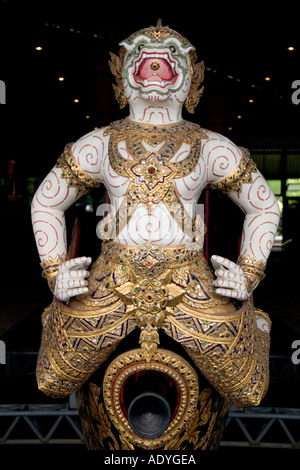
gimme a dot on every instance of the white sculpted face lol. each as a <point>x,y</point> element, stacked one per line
<point>156,70</point>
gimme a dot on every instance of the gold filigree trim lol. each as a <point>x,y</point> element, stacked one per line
<point>166,362</point>
<point>72,172</point>
<point>195,93</point>
<point>150,260</point>
<point>253,270</point>
<point>203,431</point>
<point>252,266</point>
<point>233,354</point>
<point>116,67</point>
<point>224,344</point>
<point>150,297</point>
<point>50,265</point>
<point>156,134</point>
<point>242,174</point>
<point>159,33</point>
<point>152,174</point>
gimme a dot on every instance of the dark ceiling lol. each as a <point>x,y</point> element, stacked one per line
<point>239,45</point>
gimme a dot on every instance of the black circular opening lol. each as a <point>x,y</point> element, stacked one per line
<point>149,415</point>
<point>147,381</point>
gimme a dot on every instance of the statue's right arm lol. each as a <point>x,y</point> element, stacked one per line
<point>55,195</point>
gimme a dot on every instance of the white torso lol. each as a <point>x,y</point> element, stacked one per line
<point>158,227</point>
<point>218,156</point>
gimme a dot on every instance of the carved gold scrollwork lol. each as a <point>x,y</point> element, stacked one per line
<point>163,361</point>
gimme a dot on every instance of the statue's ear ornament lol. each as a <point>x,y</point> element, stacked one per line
<point>116,67</point>
<point>195,93</point>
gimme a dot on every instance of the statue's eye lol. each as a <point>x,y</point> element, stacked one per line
<point>173,49</point>
<point>140,46</point>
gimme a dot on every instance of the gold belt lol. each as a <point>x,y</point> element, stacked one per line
<point>147,292</point>
<point>151,260</point>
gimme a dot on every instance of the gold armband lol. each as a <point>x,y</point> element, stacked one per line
<point>72,172</point>
<point>51,265</point>
<point>253,270</point>
<point>242,174</point>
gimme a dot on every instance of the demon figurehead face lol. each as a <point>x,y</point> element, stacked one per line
<point>157,64</point>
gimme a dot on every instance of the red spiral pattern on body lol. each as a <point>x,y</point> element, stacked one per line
<point>46,227</point>
<point>47,186</point>
<point>53,190</point>
<point>158,226</point>
<point>151,225</point>
<point>189,186</point>
<point>88,151</point>
<point>222,157</point>
<point>262,239</point>
<point>188,199</point>
<point>224,164</point>
<point>88,158</point>
<point>260,193</point>
<point>199,170</point>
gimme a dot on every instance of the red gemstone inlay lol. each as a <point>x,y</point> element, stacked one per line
<point>151,170</point>
<point>149,297</point>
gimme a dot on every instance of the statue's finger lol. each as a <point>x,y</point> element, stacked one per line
<point>220,261</point>
<point>76,264</point>
<point>77,291</point>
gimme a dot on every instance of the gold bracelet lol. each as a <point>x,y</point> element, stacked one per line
<point>73,173</point>
<point>241,174</point>
<point>253,270</point>
<point>51,265</point>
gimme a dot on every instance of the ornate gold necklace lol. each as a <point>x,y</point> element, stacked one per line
<point>151,173</point>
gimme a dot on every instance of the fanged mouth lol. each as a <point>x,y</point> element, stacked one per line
<point>155,69</point>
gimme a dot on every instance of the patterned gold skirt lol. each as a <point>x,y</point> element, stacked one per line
<point>154,289</point>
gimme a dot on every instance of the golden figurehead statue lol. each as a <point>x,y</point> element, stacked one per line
<point>156,341</point>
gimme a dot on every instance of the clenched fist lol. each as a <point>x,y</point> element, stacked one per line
<point>230,280</point>
<point>71,278</point>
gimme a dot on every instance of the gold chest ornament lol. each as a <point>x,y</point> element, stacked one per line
<point>152,172</point>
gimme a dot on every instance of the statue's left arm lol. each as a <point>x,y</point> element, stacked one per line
<point>231,170</point>
<point>238,367</point>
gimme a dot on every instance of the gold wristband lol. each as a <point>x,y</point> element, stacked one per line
<point>51,265</point>
<point>253,270</point>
